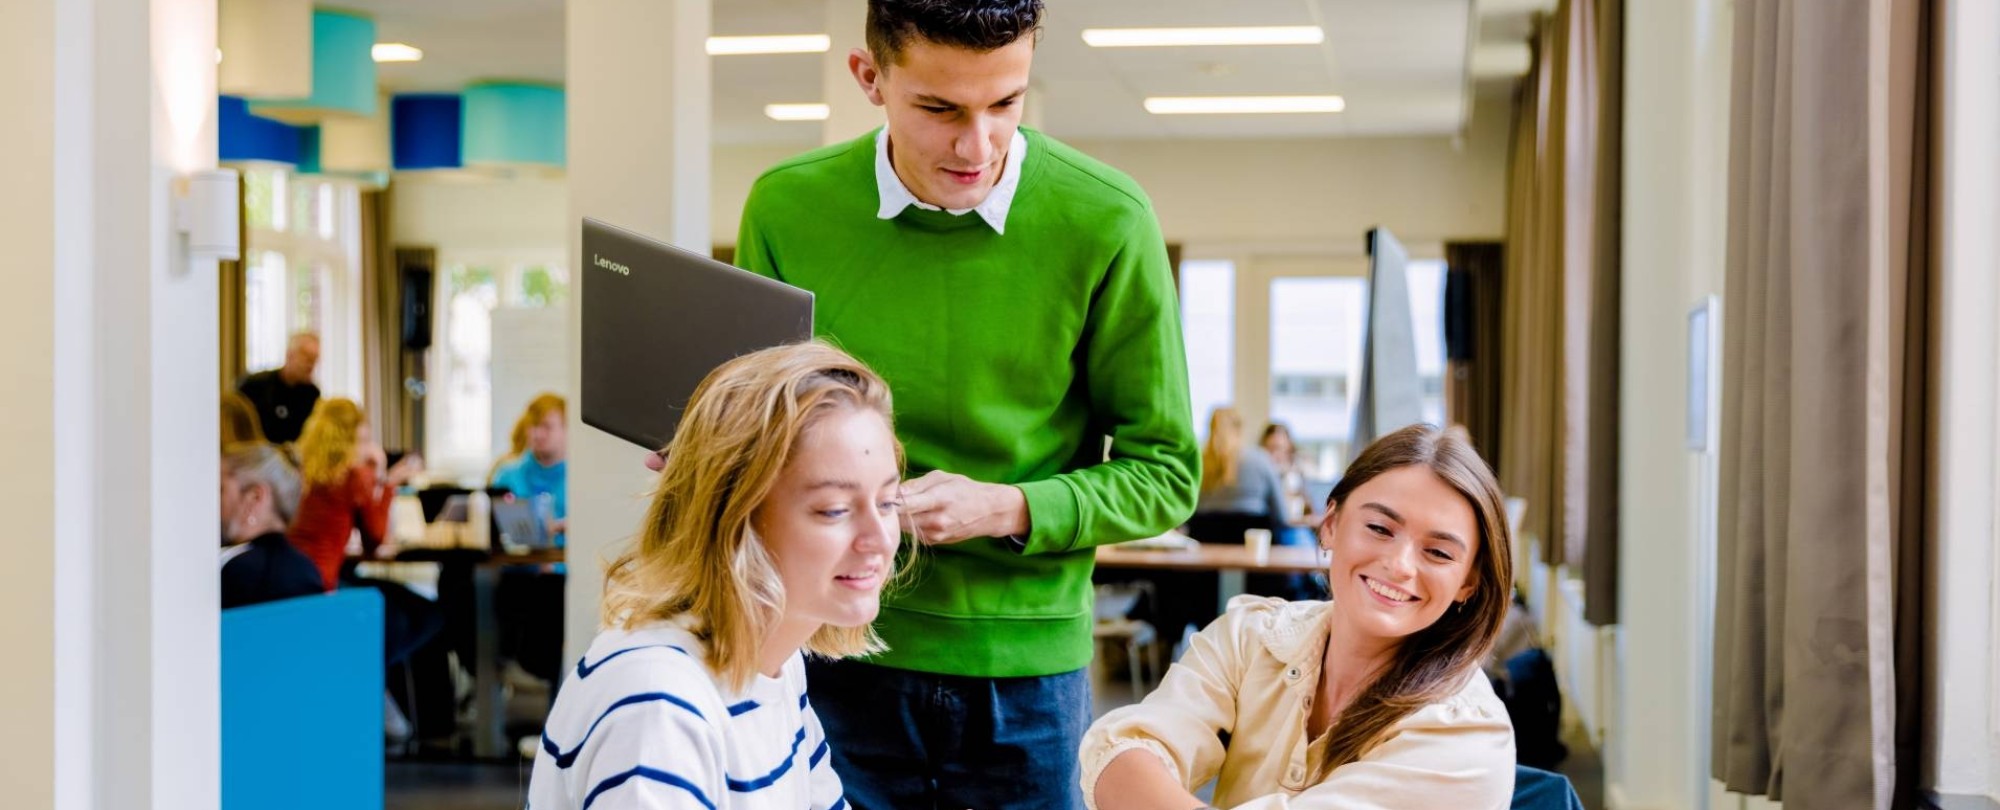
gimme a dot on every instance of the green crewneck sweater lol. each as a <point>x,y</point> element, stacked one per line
<point>1011,358</point>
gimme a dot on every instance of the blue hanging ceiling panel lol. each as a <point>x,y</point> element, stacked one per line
<point>244,137</point>
<point>424,131</point>
<point>514,124</point>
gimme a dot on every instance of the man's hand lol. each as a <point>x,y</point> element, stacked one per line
<point>944,507</point>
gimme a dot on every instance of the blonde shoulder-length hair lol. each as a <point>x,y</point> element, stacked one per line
<point>697,555</point>
<point>327,441</point>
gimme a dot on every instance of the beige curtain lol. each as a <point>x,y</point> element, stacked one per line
<point>1559,391</point>
<point>1827,401</point>
<point>230,305</point>
<point>381,323</point>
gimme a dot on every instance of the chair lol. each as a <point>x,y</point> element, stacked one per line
<point>1114,604</point>
<point>1536,789</point>
<point>1138,638</point>
<point>302,703</point>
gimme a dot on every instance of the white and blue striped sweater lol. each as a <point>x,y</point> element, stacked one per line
<point>642,724</point>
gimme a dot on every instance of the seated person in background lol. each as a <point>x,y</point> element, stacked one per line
<point>259,491</point>
<point>529,599</point>
<point>285,396</point>
<point>771,532</point>
<point>536,466</point>
<point>1240,488</point>
<point>349,485</point>
<point>1277,441</point>
<point>239,421</point>
<point>1373,700</point>
<point>1240,491</point>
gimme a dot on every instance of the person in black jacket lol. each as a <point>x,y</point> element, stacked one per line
<point>260,490</point>
<point>285,396</point>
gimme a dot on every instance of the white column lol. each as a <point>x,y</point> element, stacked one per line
<point>109,604</point>
<point>1962,750</point>
<point>1675,199</point>
<point>638,157</point>
<point>848,112</point>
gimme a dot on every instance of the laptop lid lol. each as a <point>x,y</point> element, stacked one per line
<point>516,524</point>
<point>657,319</point>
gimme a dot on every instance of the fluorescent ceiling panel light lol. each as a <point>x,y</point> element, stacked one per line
<point>1186,37</point>
<point>1239,105</point>
<point>796,112</point>
<point>791,43</point>
<point>395,52</point>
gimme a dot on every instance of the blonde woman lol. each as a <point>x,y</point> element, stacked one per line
<point>1372,700</point>
<point>771,533</point>
<point>1240,486</point>
<point>348,485</point>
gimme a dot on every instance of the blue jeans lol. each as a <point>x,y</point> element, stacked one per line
<point>906,740</point>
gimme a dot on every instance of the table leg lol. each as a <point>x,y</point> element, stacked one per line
<point>1229,585</point>
<point>489,704</point>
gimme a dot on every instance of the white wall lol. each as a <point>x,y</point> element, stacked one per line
<point>1962,750</point>
<point>110,597</point>
<point>1675,201</point>
<point>454,211</point>
<point>1214,196</point>
<point>1321,193</point>
<point>28,223</point>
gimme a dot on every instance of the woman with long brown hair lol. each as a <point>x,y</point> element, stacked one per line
<point>1374,699</point>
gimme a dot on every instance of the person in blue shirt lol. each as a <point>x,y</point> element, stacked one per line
<point>529,599</point>
<point>537,467</point>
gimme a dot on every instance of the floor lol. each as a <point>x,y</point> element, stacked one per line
<point>441,785</point>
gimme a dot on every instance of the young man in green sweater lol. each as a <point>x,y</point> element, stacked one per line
<point>1017,297</point>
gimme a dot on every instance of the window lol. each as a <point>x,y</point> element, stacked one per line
<point>1316,357</point>
<point>1426,280</point>
<point>474,288</point>
<point>1208,319</point>
<point>1315,352</point>
<point>302,272</point>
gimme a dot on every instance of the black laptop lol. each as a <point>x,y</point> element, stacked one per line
<point>657,319</point>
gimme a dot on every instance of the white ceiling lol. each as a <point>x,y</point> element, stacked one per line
<point>1402,65</point>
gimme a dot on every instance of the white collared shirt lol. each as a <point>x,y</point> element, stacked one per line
<point>896,196</point>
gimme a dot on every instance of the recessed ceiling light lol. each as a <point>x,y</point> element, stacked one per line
<point>796,112</point>
<point>1182,37</point>
<point>790,43</point>
<point>395,52</point>
<point>1236,105</point>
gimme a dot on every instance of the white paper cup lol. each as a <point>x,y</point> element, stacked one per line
<point>1259,543</point>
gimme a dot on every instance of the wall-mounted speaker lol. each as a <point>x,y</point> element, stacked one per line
<point>414,267</point>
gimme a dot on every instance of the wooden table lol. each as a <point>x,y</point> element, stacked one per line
<point>480,569</point>
<point>1230,562</point>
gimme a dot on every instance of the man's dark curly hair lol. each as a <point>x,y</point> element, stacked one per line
<point>976,25</point>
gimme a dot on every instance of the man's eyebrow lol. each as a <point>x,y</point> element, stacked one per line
<point>935,101</point>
